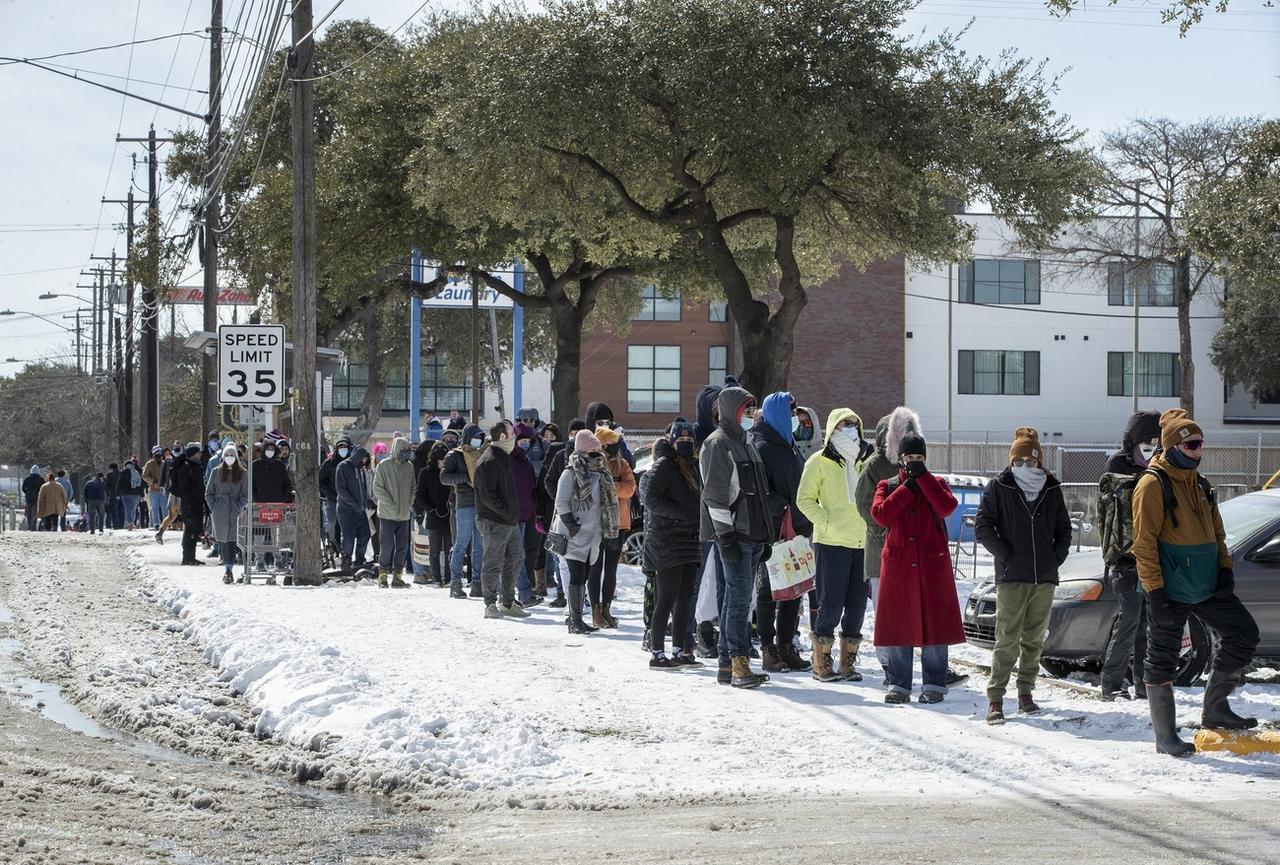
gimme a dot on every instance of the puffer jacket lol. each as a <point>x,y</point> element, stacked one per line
<point>393,484</point>
<point>734,486</point>
<point>824,495</point>
<point>782,469</point>
<point>670,511</point>
<point>1029,539</point>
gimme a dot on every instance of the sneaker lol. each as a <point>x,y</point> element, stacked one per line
<point>159,538</point>
<point>1026,705</point>
<point>559,603</point>
<point>953,678</point>
<point>422,580</point>
<point>995,713</point>
<point>212,554</point>
<point>930,697</point>
<point>895,697</point>
<point>513,612</point>
<point>661,662</point>
<point>684,659</point>
<point>227,578</point>
<point>492,612</point>
<point>532,602</point>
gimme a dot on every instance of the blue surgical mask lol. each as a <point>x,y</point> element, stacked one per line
<point>748,422</point>
<point>403,455</point>
<point>343,453</point>
<point>476,443</point>
<point>524,444</point>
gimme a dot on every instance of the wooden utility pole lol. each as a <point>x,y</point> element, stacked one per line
<point>126,407</point>
<point>475,349</point>
<point>306,444</point>
<point>212,217</point>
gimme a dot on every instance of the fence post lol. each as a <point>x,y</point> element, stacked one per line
<point>1257,465</point>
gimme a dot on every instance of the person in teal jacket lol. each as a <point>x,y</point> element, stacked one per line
<point>826,497</point>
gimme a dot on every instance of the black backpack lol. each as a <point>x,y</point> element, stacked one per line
<point>1170,502</point>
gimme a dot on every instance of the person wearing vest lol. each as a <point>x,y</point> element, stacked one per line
<point>1023,522</point>
<point>1185,570</point>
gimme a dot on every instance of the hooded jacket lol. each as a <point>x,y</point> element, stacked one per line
<point>824,494</point>
<point>1143,426</point>
<point>815,444</point>
<point>1185,560</point>
<point>876,468</point>
<point>455,472</point>
<point>351,484</point>
<point>526,476</point>
<point>188,485</point>
<point>31,485</point>
<point>782,463</point>
<point>1029,539</point>
<point>94,490</point>
<point>432,497</point>
<point>705,423</point>
<point>597,412</point>
<point>328,469</point>
<point>271,480</point>
<point>394,483</point>
<point>671,511</point>
<point>495,487</point>
<point>734,486</point>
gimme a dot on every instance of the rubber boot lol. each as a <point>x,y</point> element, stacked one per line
<point>848,659</point>
<point>576,624</point>
<point>606,615</point>
<point>742,675</point>
<point>597,616</point>
<point>1163,723</point>
<point>397,582</point>
<point>822,659</point>
<point>1217,715</point>
<point>540,582</point>
<point>771,661</point>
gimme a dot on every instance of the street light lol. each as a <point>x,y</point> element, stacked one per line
<point>53,295</point>
<point>36,315</point>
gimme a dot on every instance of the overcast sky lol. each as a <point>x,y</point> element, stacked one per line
<point>58,154</point>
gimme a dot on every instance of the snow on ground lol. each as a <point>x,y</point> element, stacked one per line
<point>422,690</point>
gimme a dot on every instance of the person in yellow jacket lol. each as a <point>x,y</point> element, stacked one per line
<point>1184,568</point>
<point>826,497</point>
<point>51,504</point>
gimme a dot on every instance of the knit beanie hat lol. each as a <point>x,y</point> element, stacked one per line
<point>607,436</point>
<point>1026,445</point>
<point>584,442</point>
<point>912,444</point>
<point>681,427</point>
<point>1176,426</point>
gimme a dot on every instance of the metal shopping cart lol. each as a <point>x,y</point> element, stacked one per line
<point>275,529</point>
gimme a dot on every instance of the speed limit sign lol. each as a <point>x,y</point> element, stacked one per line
<point>251,364</point>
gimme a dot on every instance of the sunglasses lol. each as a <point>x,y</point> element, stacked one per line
<point>1021,463</point>
<point>1193,445</point>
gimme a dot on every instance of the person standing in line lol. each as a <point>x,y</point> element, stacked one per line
<point>1186,570</point>
<point>31,485</point>
<point>95,503</point>
<point>1128,644</point>
<point>431,504</point>
<point>917,605</point>
<point>226,494</point>
<point>271,479</point>
<point>51,503</point>
<point>132,489</point>
<point>329,488</point>
<point>545,563</point>
<point>188,485</point>
<point>604,581</point>
<point>65,483</point>
<point>531,586</point>
<point>431,426</point>
<point>456,421</point>
<point>587,514</point>
<point>553,466</point>
<point>808,433</point>
<point>671,497</point>
<point>735,515</point>
<point>352,482</point>
<point>1023,522</point>
<point>537,450</point>
<point>779,622</point>
<point>498,522</point>
<point>393,490</point>
<point>598,415</point>
<point>706,639</point>
<point>827,496</point>
<point>459,472</point>
<point>115,512</point>
<point>153,479</point>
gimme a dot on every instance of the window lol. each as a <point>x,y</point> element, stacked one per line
<point>659,308</point>
<point>438,393</point>
<point>1268,397</point>
<point>717,364</point>
<point>1000,280</point>
<point>718,310</point>
<point>1000,372</point>
<point>1159,373</point>
<point>653,379</point>
<point>1155,284</point>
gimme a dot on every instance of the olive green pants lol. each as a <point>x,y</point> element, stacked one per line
<point>1022,621</point>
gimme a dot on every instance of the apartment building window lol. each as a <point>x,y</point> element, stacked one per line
<point>717,364</point>
<point>438,393</point>
<point>1155,284</point>
<point>657,307</point>
<point>999,372</point>
<point>1000,280</point>
<point>718,310</point>
<point>1159,373</point>
<point>653,379</point>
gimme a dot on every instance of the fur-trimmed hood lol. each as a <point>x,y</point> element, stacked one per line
<point>901,422</point>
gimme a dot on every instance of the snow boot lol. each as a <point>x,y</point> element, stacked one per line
<point>822,660</point>
<point>477,589</point>
<point>1164,723</point>
<point>792,659</point>
<point>995,713</point>
<point>345,566</point>
<point>1112,692</point>
<point>597,617</point>
<point>559,603</point>
<point>159,537</point>
<point>1027,705</point>
<point>742,677</point>
<point>576,624</point>
<point>707,640</point>
<point>606,615</point>
<point>382,579</point>
<point>457,592</point>
<point>1217,715</point>
<point>422,579</point>
<point>771,661</point>
<point>724,675</point>
<point>397,582</point>
<point>227,578</point>
<point>540,582</point>
<point>492,611</point>
<point>848,659</point>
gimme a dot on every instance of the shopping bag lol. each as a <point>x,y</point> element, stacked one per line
<point>421,545</point>
<point>791,569</point>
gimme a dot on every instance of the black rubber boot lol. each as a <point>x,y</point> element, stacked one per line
<point>1163,723</point>
<point>1217,715</point>
<point>576,624</point>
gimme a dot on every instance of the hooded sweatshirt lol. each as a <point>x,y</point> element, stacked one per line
<point>524,472</point>
<point>880,467</point>
<point>1142,426</point>
<point>810,446</point>
<point>706,422</point>
<point>350,480</point>
<point>824,493</point>
<point>329,468</point>
<point>734,485</point>
<point>394,483</point>
<point>31,485</point>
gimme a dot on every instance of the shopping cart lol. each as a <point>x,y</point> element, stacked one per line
<point>275,528</point>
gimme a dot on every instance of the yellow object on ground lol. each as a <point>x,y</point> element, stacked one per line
<point>1239,741</point>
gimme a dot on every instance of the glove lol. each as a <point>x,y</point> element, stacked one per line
<point>910,483</point>
<point>916,469</point>
<point>1159,609</point>
<point>729,549</point>
<point>766,553</point>
<point>1226,583</point>
<point>571,525</point>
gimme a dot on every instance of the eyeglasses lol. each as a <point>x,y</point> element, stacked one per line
<point>1193,445</point>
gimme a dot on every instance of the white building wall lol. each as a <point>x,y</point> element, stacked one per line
<point>1073,368</point>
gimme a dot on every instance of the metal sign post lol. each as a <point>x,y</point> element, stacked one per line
<point>248,541</point>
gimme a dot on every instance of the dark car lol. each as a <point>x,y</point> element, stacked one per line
<point>1085,609</point>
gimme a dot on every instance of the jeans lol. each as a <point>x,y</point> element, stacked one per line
<point>129,505</point>
<point>355,535</point>
<point>330,509</point>
<point>31,516</point>
<point>842,591</point>
<point>674,593</point>
<point>882,654</point>
<point>394,538</point>
<point>1128,642</point>
<point>503,552</point>
<point>115,513</point>
<point>227,549</point>
<point>735,602</point>
<point>440,540</point>
<point>97,516</point>
<point>1229,620</point>
<point>159,504</point>
<point>551,563</point>
<point>1022,623</point>
<point>524,573</point>
<point>466,536</point>
<point>933,668</point>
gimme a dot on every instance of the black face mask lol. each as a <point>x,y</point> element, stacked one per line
<point>684,449</point>
<point>611,450</point>
<point>1180,459</point>
<point>804,433</point>
<point>915,468</point>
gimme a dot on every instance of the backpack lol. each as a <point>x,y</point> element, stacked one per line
<point>1171,503</point>
<point>1115,515</point>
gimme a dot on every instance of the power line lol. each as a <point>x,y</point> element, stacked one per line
<point>130,44</point>
<point>1072,20</point>
<point>376,47</point>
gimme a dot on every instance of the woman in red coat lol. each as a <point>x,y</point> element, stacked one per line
<point>917,604</point>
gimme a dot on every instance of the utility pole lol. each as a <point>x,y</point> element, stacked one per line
<point>475,350</point>
<point>99,311</point>
<point>109,301</point>
<point>306,552</point>
<point>1137,255</point>
<point>212,215</point>
<point>92,324</point>
<point>126,411</point>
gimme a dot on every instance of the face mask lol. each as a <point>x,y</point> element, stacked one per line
<point>269,453</point>
<point>229,460</point>
<point>804,433</point>
<point>343,453</point>
<point>611,450</point>
<point>1147,451</point>
<point>684,448</point>
<point>476,443</point>
<point>1180,459</point>
<point>403,455</point>
<point>795,422</point>
<point>747,422</point>
<point>524,444</point>
<point>915,468</point>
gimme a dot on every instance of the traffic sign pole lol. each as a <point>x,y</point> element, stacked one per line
<point>248,541</point>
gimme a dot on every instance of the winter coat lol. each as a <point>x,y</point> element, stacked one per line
<point>328,470</point>
<point>495,487</point>
<point>352,483</point>
<point>545,486</point>
<point>624,481</point>
<point>824,496</point>
<point>876,468</point>
<point>526,479</point>
<point>432,429</point>
<point>153,474</point>
<point>95,491</point>
<point>1143,426</point>
<point>271,481</point>
<point>585,545</point>
<point>1183,560</point>
<point>114,490</point>
<point>51,501</point>
<point>671,512</point>
<point>734,486</point>
<point>553,467</point>
<point>31,485</point>
<point>394,484</point>
<point>917,603</point>
<point>131,483</point>
<point>432,499</point>
<point>782,470</point>
<point>226,498</point>
<point>1029,539</point>
<point>65,483</point>
<point>706,420</point>
<point>455,472</point>
<point>188,486</point>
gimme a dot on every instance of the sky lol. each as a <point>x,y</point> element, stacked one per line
<point>59,156</point>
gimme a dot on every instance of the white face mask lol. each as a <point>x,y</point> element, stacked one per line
<point>1147,451</point>
<point>269,454</point>
<point>229,460</point>
<point>795,422</point>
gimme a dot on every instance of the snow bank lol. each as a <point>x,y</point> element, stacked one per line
<point>424,692</point>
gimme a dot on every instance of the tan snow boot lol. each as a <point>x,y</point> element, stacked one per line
<point>822,659</point>
<point>540,582</point>
<point>597,616</point>
<point>848,659</point>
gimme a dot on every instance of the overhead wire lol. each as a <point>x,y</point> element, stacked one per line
<point>130,45</point>
<point>385,39</point>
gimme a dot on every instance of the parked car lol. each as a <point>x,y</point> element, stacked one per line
<point>1085,609</point>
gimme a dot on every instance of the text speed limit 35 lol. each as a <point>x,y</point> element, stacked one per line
<point>251,364</point>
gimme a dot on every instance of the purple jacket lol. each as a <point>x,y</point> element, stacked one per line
<point>523,471</point>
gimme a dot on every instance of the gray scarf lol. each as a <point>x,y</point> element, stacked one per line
<point>1030,480</point>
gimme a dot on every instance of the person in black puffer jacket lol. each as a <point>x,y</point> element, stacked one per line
<point>431,504</point>
<point>672,494</point>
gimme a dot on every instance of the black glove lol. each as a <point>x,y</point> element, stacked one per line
<point>916,468</point>
<point>910,483</point>
<point>729,549</point>
<point>1159,608</point>
<point>1226,583</point>
<point>571,525</point>
<point>766,553</point>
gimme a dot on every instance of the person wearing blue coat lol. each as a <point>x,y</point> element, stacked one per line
<point>354,497</point>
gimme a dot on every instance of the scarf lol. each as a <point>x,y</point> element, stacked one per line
<point>583,466</point>
<point>471,456</point>
<point>506,445</point>
<point>849,447</point>
<point>1030,480</point>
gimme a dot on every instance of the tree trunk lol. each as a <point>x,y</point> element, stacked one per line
<point>1182,291</point>
<point>376,390</point>
<point>566,383</point>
